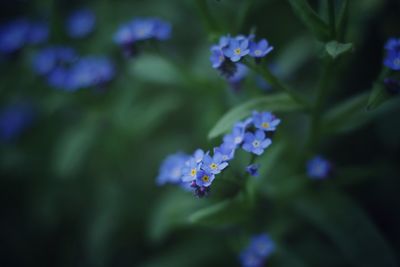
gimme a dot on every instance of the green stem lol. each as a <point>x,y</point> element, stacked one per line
<point>206,16</point>
<point>275,82</point>
<point>331,15</point>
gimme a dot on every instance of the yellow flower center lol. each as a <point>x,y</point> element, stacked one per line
<point>257,52</point>
<point>238,51</point>
<point>265,125</point>
<point>193,172</point>
<point>213,166</point>
<point>256,143</point>
<point>205,178</point>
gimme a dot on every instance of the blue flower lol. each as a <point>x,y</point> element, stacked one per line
<point>51,57</point>
<point>189,171</point>
<point>38,33</point>
<point>227,151</point>
<point>13,35</point>
<point>124,35</point>
<point>80,23</point>
<point>213,165</point>
<point>146,28</point>
<point>392,60</point>
<point>250,259</point>
<point>318,168</point>
<point>393,44</point>
<point>59,78</point>
<point>237,48</point>
<point>265,121</point>
<point>253,169</point>
<point>198,155</point>
<point>262,245</point>
<point>217,57</point>
<point>260,49</point>
<point>240,73</point>
<point>161,29</point>
<point>171,169</point>
<point>256,143</point>
<point>91,71</point>
<point>204,178</point>
<point>235,138</point>
<point>14,119</point>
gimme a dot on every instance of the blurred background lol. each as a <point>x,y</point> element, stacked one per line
<point>78,166</point>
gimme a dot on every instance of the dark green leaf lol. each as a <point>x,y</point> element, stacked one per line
<point>336,49</point>
<point>348,227</point>
<point>313,22</point>
<point>377,97</point>
<point>342,19</point>
<point>276,102</point>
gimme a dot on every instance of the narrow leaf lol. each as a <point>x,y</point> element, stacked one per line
<point>310,18</point>
<point>336,49</point>
<point>276,102</point>
<point>377,97</point>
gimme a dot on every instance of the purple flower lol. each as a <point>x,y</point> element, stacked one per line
<point>227,151</point>
<point>237,49</point>
<point>256,143</point>
<point>171,169</point>
<point>81,23</point>
<point>265,121</point>
<point>217,57</point>
<point>204,178</point>
<point>213,165</point>
<point>260,49</point>
<point>13,35</point>
<point>14,119</point>
<point>253,169</point>
<point>318,168</point>
<point>38,33</point>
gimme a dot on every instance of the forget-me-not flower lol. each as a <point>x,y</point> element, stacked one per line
<point>204,178</point>
<point>235,138</point>
<point>227,151</point>
<point>81,23</point>
<point>260,49</point>
<point>13,35</point>
<point>213,164</point>
<point>189,171</point>
<point>256,143</point>
<point>38,33</point>
<point>171,169</point>
<point>392,60</point>
<point>318,168</point>
<point>237,49</point>
<point>217,57</point>
<point>265,121</point>
<point>253,169</point>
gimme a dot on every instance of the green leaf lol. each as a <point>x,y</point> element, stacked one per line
<point>275,102</point>
<point>310,18</point>
<point>229,211</point>
<point>342,19</point>
<point>336,49</point>
<point>348,227</point>
<point>377,97</point>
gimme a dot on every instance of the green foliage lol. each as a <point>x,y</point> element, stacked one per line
<point>336,49</point>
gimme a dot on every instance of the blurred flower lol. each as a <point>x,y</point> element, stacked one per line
<point>318,168</point>
<point>256,143</point>
<point>204,178</point>
<point>14,119</point>
<point>239,75</point>
<point>235,138</point>
<point>49,58</point>
<point>393,44</point>
<point>59,78</point>
<point>256,253</point>
<point>198,155</point>
<point>171,169</point>
<point>253,169</point>
<point>13,35</point>
<point>38,33</point>
<point>213,165</point>
<point>91,71</point>
<point>265,121</point>
<point>392,60</point>
<point>236,49</point>
<point>80,23</point>
<point>260,49</point>
<point>217,57</point>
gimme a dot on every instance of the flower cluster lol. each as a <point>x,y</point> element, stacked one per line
<point>200,169</point>
<point>64,70</point>
<point>392,60</point>
<point>318,168</point>
<point>80,23</point>
<point>14,35</point>
<point>256,253</point>
<point>14,119</point>
<point>230,50</point>
<point>141,29</point>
